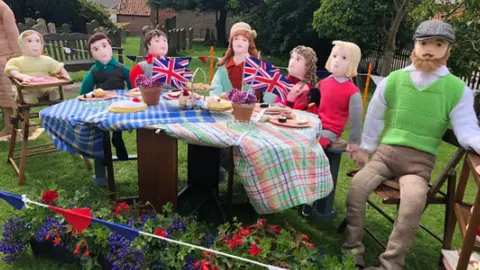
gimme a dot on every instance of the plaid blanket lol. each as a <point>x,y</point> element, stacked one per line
<point>280,167</point>
<point>77,126</point>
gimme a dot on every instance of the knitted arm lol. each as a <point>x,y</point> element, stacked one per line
<point>355,116</point>
<point>134,73</point>
<point>88,83</point>
<point>126,72</point>
<point>220,82</point>
<point>374,120</point>
<point>465,122</point>
<point>11,30</point>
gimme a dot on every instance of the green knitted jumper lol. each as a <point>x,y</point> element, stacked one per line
<point>418,119</point>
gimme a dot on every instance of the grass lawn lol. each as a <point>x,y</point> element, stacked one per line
<point>69,173</point>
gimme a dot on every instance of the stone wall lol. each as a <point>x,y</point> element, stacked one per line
<point>136,23</point>
<point>200,21</point>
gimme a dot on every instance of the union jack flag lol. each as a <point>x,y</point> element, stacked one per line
<point>170,71</point>
<point>265,80</point>
<point>184,61</point>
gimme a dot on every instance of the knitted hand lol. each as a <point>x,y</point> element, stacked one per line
<point>297,90</point>
<point>360,158</point>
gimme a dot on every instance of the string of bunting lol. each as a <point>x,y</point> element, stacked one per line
<point>204,59</point>
<point>81,218</point>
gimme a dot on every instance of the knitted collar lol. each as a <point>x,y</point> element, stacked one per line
<point>440,72</point>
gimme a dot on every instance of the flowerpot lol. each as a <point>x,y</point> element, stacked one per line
<point>151,96</point>
<point>47,250</point>
<point>242,112</point>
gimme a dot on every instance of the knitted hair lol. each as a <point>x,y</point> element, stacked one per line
<point>25,34</point>
<point>356,56</point>
<point>252,50</point>
<point>310,61</point>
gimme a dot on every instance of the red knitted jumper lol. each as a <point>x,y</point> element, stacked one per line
<point>302,101</point>
<point>334,104</point>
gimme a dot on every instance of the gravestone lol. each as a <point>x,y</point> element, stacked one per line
<point>51,28</point>
<point>21,27</point>
<point>171,42</point>
<point>212,37</point>
<point>178,44</point>
<point>29,23</point>
<point>190,39</point>
<point>171,23</point>
<point>91,26</point>
<point>40,26</point>
<point>183,37</point>
<point>116,36</point>
<point>66,28</point>
<point>42,21</point>
<point>207,36</point>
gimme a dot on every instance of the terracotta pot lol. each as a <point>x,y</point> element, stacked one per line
<point>151,96</point>
<point>242,112</point>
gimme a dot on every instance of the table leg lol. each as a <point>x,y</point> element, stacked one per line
<point>157,168</point>
<point>107,155</point>
<point>469,239</point>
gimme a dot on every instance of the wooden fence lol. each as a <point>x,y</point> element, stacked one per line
<point>402,59</point>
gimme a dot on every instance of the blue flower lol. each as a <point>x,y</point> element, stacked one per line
<point>11,245</point>
<point>122,255</point>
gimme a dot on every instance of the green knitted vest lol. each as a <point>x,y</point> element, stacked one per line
<point>418,119</point>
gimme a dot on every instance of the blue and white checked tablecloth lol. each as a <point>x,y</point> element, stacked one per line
<point>77,126</point>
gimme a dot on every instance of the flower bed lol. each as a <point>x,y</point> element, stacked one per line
<point>51,236</point>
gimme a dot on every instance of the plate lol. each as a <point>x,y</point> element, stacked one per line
<point>135,92</point>
<point>172,95</point>
<point>289,123</point>
<point>108,95</point>
<point>272,109</point>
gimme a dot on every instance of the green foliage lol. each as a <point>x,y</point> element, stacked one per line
<point>75,12</point>
<point>365,22</point>
<point>465,54</point>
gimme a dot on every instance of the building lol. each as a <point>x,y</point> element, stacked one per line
<point>110,6</point>
<point>137,14</point>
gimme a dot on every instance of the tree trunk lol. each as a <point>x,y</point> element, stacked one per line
<point>220,24</point>
<point>389,49</point>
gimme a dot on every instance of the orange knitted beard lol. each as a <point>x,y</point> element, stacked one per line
<point>428,64</point>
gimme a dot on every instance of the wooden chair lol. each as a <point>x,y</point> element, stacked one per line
<point>390,194</point>
<point>24,114</point>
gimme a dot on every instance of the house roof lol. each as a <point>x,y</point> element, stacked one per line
<point>140,8</point>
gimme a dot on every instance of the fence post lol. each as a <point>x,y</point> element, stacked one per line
<point>367,85</point>
<point>212,54</point>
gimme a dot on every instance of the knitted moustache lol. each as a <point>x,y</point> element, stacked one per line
<point>21,38</point>
<point>242,26</point>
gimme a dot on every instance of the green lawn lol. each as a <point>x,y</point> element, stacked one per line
<point>68,172</point>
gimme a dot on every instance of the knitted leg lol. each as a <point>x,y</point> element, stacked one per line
<point>7,126</point>
<point>363,183</point>
<point>324,142</point>
<point>119,145</point>
<point>53,95</point>
<point>413,197</point>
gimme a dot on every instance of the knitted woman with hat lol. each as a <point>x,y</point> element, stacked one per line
<point>230,68</point>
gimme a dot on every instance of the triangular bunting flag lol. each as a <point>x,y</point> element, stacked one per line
<point>78,218</point>
<point>12,199</point>
<point>127,232</point>
<point>376,79</point>
<point>132,57</point>
<point>203,59</point>
<point>67,50</point>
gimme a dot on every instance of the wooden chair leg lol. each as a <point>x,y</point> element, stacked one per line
<point>13,137</point>
<point>87,163</point>
<point>450,217</point>
<point>23,152</point>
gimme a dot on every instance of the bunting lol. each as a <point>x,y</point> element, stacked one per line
<point>80,219</point>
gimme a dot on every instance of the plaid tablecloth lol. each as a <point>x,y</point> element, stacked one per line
<point>280,167</point>
<point>77,126</point>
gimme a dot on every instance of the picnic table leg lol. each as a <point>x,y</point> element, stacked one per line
<point>107,154</point>
<point>157,168</point>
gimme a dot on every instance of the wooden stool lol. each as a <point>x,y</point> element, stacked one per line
<point>24,114</point>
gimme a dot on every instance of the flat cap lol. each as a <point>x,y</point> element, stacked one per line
<point>434,29</point>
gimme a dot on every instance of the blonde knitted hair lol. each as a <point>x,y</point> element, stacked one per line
<point>356,56</point>
<point>310,61</point>
<point>25,34</point>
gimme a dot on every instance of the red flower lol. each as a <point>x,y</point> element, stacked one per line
<point>57,240</point>
<point>275,229</point>
<point>310,245</point>
<point>122,206</point>
<point>304,236</point>
<point>85,254</point>
<point>235,241</point>
<point>49,196</point>
<point>244,231</point>
<point>255,250</point>
<point>196,265</point>
<point>160,232</point>
<point>77,250</point>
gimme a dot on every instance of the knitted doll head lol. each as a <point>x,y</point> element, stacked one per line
<point>31,43</point>
<point>156,42</point>
<point>344,59</point>
<point>240,42</point>
<point>303,64</point>
<point>100,47</point>
<point>432,45</point>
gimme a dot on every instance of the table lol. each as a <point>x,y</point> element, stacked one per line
<point>279,167</point>
<point>462,211</point>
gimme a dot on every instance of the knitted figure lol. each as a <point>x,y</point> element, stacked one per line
<point>8,48</point>
<point>302,69</point>
<point>108,74</point>
<point>341,98</point>
<point>230,68</point>
<point>421,100</point>
<point>33,64</point>
<point>156,43</point>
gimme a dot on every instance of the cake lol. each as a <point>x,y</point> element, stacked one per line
<point>217,104</point>
<point>99,92</point>
<point>135,92</point>
<point>127,106</point>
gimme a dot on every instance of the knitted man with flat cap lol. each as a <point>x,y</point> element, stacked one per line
<point>421,99</point>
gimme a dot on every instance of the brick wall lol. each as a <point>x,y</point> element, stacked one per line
<point>136,22</point>
<point>199,21</point>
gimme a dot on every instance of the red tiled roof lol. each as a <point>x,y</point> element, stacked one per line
<point>140,8</point>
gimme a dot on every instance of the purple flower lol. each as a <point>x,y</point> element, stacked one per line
<point>241,97</point>
<point>11,244</point>
<point>143,81</point>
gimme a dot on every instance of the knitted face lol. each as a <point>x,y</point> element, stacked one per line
<point>101,50</point>
<point>297,66</point>
<point>32,45</point>
<point>430,54</point>
<point>240,45</point>
<point>158,46</point>
<point>340,61</point>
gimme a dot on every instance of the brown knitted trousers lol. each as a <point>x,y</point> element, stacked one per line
<point>412,168</point>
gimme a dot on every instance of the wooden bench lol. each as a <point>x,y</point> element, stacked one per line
<point>80,57</point>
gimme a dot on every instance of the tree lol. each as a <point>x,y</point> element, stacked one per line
<point>75,12</point>
<point>368,23</point>
<point>464,17</point>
